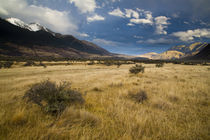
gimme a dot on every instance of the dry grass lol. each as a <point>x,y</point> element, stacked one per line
<point>177,105</point>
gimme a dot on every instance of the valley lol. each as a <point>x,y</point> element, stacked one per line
<point>176,107</point>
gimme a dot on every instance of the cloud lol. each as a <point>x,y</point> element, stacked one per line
<point>190,35</point>
<point>141,21</point>
<point>148,18</point>
<point>117,12</point>
<point>175,15</point>
<point>131,13</point>
<point>104,42</point>
<point>130,24</point>
<point>95,18</point>
<point>134,16</point>
<point>83,35</point>
<point>160,41</point>
<point>161,24</point>
<point>139,37</point>
<point>85,5</point>
<point>58,21</point>
<point>115,0</point>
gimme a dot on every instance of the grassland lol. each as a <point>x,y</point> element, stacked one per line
<point>176,108</point>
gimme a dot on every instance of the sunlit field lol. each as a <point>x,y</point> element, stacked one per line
<point>176,106</point>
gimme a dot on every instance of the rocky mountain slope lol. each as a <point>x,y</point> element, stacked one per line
<point>204,54</point>
<point>178,52</point>
<point>20,39</point>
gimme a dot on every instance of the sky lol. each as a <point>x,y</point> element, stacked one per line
<point>131,27</point>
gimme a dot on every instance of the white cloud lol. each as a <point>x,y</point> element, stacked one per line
<point>141,21</point>
<point>131,13</point>
<point>85,5</point>
<point>115,0</point>
<point>161,24</point>
<point>161,41</point>
<point>58,21</point>
<point>147,20</point>
<point>117,12</point>
<point>83,35</point>
<point>140,16</point>
<point>95,18</point>
<point>190,35</point>
<point>104,42</point>
<point>131,24</point>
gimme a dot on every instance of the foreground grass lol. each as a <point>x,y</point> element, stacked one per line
<point>176,108</point>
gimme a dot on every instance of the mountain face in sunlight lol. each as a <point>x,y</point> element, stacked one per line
<point>178,52</point>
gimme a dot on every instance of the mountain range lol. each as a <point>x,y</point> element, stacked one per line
<point>34,40</point>
<point>192,51</point>
<point>20,39</point>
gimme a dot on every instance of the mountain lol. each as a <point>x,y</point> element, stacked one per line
<point>204,54</point>
<point>148,55</point>
<point>178,52</point>
<point>20,39</point>
<point>171,54</point>
<point>191,49</point>
<point>31,27</point>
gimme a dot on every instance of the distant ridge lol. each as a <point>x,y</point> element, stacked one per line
<point>179,52</point>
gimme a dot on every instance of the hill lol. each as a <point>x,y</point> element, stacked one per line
<point>179,52</point>
<point>202,55</point>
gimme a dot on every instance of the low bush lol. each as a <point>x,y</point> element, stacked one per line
<point>97,89</point>
<point>53,98</point>
<point>137,69</point>
<point>159,65</point>
<point>6,64</point>
<point>138,97</point>
<point>29,63</point>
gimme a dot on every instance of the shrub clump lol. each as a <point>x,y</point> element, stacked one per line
<point>138,97</point>
<point>6,64</point>
<point>137,69</point>
<point>53,98</point>
<point>159,65</point>
<point>29,63</point>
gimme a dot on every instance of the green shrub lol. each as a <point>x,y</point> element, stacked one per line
<point>137,69</point>
<point>53,98</point>
<point>138,97</point>
<point>159,65</point>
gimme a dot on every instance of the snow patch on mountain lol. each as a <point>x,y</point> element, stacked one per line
<point>31,27</point>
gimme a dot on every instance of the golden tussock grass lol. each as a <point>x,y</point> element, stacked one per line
<point>176,107</point>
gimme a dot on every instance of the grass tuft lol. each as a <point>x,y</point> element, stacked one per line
<point>138,97</point>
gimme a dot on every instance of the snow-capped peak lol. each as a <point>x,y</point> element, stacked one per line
<point>35,27</point>
<point>18,22</point>
<point>32,26</point>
